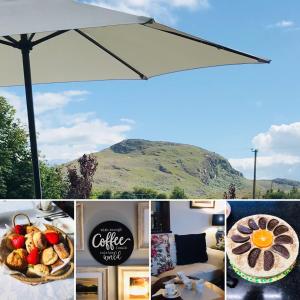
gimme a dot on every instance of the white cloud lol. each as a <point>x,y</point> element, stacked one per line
<point>279,139</point>
<point>160,9</point>
<point>189,3</point>
<point>128,121</point>
<point>283,24</point>
<point>66,143</point>
<point>278,155</point>
<point>63,136</point>
<point>264,161</point>
<point>45,102</point>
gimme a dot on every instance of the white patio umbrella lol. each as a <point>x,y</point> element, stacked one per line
<point>66,41</point>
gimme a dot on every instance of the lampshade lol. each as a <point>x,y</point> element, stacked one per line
<point>218,220</point>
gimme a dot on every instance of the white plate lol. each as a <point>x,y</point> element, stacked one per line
<point>228,209</point>
<point>64,224</point>
<point>173,296</point>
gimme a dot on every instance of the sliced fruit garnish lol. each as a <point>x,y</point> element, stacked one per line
<point>242,248</point>
<point>244,229</point>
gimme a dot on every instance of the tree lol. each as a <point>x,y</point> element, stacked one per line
<point>124,195</point>
<point>15,163</point>
<point>16,175</point>
<point>144,193</point>
<point>231,194</point>
<point>279,194</point>
<point>178,193</point>
<point>107,194</point>
<point>231,191</point>
<point>162,196</point>
<point>80,186</point>
<point>294,193</point>
<point>53,184</point>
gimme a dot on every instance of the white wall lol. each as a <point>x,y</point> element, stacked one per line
<point>185,220</point>
<point>96,212</point>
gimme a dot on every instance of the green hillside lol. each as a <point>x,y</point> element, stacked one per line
<point>163,165</point>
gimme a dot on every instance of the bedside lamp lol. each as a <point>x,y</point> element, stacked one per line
<point>219,220</point>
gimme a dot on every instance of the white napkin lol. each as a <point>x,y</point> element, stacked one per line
<point>158,293</point>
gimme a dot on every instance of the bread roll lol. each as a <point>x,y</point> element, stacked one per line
<point>38,270</point>
<point>29,244</point>
<point>39,240</point>
<point>16,260</point>
<point>61,251</point>
<point>49,256</point>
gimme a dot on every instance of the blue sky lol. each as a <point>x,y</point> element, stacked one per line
<point>227,110</point>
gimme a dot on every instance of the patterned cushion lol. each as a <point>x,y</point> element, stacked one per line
<point>160,254</point>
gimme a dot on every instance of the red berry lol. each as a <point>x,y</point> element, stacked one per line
<point>18,241</point>
<point>19,229</point>
<point>33,257</point>
<point>52,238</point>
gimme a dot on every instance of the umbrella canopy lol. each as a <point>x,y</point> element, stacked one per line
<point>100,44</point>
<point>69,41</point>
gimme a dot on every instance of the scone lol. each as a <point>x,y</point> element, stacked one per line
<point>8,240</point>
<point>16,260</point>
<point>29,244</point>
<point>39,240</point>
<point>58,263</point>
<point>22,252</point>
<point>38,270</point>
<point>61,251</point>
<point>49,256</point>
<point>50,230</point>
<point>30,228</point>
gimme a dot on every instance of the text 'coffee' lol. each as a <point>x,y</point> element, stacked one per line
<point>111,243</point>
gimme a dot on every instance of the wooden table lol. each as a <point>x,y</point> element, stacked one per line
<point>160,285</point>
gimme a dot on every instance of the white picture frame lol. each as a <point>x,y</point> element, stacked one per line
<point>79,227</point>
<point>143,225</point>
<point>92,275</point>
<point>199,204</point>
<point>126,274</point>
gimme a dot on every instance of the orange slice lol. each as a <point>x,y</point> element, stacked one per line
<point>262,238</point>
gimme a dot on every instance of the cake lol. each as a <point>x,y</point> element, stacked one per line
<point>262,248</point>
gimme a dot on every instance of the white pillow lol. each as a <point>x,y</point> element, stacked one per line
<point>173,253</point>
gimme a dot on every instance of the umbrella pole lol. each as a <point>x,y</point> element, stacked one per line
<point>25,48</point>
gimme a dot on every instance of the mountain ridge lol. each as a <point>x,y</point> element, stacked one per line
<point>161,165</point>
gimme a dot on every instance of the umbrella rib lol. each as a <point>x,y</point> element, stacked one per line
<point>8,44</point>
<point>12,40</point>
<point>220,47</point>
<point>142,76</point>
<point>31,37</point>
<point>48,37</point>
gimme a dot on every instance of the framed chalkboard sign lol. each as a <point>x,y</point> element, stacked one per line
<point>111,243</point>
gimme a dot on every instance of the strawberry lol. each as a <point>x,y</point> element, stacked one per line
<point>19,229</point>
<point>52,238</point>
<point>33,258</point>
<point>18,241</point>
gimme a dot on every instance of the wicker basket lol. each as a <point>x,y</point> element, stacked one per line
<point>63,273</point>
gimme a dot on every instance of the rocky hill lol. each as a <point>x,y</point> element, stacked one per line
<point>163,165</point>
